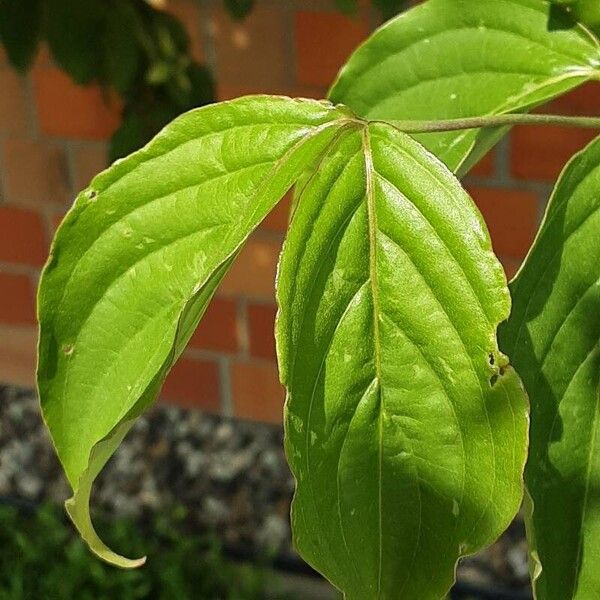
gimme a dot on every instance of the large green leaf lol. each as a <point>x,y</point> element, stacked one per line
<point>138,258</point>
<point>553,338</point>
<point>405,426</point>
<point>459,58</point>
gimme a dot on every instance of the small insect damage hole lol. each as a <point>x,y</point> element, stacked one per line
<point>91,194</point>
<point>494,378</point>
<point>491,359</point>
<point>68,349</point>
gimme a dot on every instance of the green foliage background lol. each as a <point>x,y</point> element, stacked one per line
<point>42,558</point>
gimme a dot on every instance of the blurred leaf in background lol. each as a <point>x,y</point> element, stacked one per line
<point>239,9</point>
<point>584,11</point>
<point>73,30</point>
<point>387,8</point>
<point>130,46</point>
<point>20,31</point>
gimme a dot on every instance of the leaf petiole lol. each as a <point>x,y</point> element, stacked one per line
<point>410,126</point>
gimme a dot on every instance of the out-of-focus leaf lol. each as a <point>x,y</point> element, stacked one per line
<point>129,137</point>
<point>74,32</point>
<point>160,72</point>
<point>171,35</point>
<point>20,27</point>
<point>390,8</point>
<point>588,12</point>
<point>348,7</point>
<point>122,52</point>
<point>202,90</point>
<point>239,9</point>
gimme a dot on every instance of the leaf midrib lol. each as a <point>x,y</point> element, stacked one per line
<point>374,282</point>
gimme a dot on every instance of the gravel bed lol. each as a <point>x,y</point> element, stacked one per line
<point>230,475</point>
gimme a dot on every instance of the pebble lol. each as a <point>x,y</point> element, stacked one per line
<point>273,533</point>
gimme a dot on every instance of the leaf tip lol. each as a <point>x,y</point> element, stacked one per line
<point>77,508</point>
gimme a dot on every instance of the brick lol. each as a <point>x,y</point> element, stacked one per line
<point>511,217</point>
<point>540,153</point>
<point>23,238</point>
<point>257,393</point>
<point>13,116</point>
<point>584,100</point>
<point>88,159</point>
<point>324,41</point>
<point>17,305</point>
<point>486,166</point>
<point>68,110</point>
<point>511,266</point>
<point>218,329</point>
<point>188,14</point>
<point>251,52</point>
<point>18,354</point>
<point>277,220</point>
<point>261,324</point>
<point>253,272</point>
<point>193,384</point>
<point>35,171</point>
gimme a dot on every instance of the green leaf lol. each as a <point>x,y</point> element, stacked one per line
<point>122,52</point>
<point>74,33</point>
<point>348,7</point>
<point>553,338</point>
<point>462,58</point>
<point>405,426</point>
<point>137,259</point>
<point>20,25</point>
<point>588,12</point>
<point>389,8</point>
<point>131,135</point>
<point>202,87</point>
<point>239,9</point>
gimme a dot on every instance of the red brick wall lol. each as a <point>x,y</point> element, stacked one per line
<point>52,141</point>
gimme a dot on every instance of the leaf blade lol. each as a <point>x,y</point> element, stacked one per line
<point>374,387</point>
<point>444,60</point>
<point>553,336</point>
<point>139,256</point>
